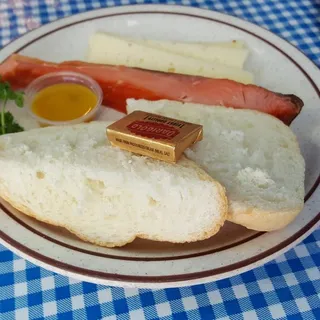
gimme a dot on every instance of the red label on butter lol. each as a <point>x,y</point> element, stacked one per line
<point>153,130</point>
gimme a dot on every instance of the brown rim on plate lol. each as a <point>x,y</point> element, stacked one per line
<point>155,279</point>
<point>141,279</point>
<point>129,258</point>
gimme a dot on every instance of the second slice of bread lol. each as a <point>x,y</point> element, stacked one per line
<point>254,155</point>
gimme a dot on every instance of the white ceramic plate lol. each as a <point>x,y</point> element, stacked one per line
<point>277,65</point>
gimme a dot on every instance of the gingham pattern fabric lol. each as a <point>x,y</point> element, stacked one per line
<point>286,288</point>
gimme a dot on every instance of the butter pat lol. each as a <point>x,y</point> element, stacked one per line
<point>153,135</point>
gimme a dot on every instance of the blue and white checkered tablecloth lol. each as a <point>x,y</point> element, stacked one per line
<point>286,288</point>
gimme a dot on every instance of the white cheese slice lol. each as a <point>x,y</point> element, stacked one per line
<point>226,54</point>
<point>113,50</point>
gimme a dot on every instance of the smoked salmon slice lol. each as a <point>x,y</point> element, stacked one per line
<point>120,83</point>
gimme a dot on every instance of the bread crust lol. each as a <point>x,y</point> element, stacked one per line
<point>259,220</point>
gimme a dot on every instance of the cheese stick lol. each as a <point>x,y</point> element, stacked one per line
<point>229,54</point>
<point>112,50</point>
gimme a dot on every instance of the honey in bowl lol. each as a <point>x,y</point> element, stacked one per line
<point>63,98</point>
<point>64,102</point>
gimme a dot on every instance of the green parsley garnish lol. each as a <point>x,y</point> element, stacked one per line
<point>7,122</point>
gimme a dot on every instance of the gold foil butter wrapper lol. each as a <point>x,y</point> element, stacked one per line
<point>153,135</point>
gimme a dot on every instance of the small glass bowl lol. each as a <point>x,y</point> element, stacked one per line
<point>62,77</point>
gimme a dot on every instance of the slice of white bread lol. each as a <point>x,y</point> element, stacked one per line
<point>254,155</point>
<point>72,177</point>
